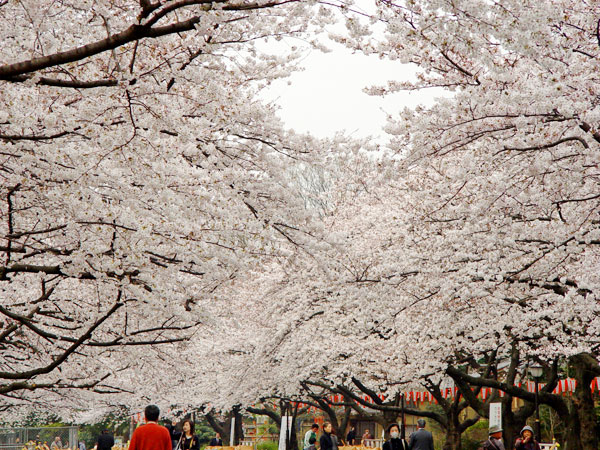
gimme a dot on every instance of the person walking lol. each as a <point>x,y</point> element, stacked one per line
<point>105,441</point>
<point>527,441</point>
<point>327,442</point>
<point>151,436</point>
<point>395,442</point>
<point>422,438</point>
<point>351,436</point>
<point>314,429</point>
<point>494,441</point>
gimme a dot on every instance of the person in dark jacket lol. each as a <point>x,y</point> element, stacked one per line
<point>327,441</point>
<point>494,441</point>
<point>527,440</point>
<point>174,433</point>
<point>188,440</point>
<point>216,441</point>
<point>105,441</point>
<point>351,436</point>
<point>421,439</point>
<point>395,442</point>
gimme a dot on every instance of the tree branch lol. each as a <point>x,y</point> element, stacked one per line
<point>77,84</point>
<point>63,357</point>
<point>130,34</point>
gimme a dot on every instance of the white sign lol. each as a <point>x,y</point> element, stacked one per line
<point>496,414</point>
<point>232,433</point>
<point>286,426</point>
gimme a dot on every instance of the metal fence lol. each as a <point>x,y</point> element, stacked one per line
<point>54,438</point>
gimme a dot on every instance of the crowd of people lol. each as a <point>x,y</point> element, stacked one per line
<point>38,444</point>
<point>421,439</point>
<point>153,436</point>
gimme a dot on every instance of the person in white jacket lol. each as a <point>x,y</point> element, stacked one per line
<point>314,428</point>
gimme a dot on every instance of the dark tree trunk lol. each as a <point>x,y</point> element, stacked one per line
<point>452,440</point>
<point>513,421</point>
<point>218,426</point>
<point>344,424</point>
<point>571,440</point>
<point>224,427</point>
<point>582,423</point>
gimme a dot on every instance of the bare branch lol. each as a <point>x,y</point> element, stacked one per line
<point>63,357</point>
<point>19,234</point>
<point>32,137</point>
<point>546,146</point>
<point>77,84</point>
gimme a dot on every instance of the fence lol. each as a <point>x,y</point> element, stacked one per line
<point>30,438</point>
<point>376,443</point>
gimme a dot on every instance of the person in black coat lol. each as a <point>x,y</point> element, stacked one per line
<point>175,435</point>
<point>188,440</point>
<point>395,442</point>
<point>216,441</point>
<point>327,441</point>
<point>351,436</point>
<point>105,441</point>
<point>421,439</point>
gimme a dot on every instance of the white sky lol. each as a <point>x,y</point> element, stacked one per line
<point>328,95</point>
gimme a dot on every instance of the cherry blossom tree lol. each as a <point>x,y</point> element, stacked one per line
<point>140,174</point>
<point>139,168</point>
<point>497,233</point>
<point>482,233</point>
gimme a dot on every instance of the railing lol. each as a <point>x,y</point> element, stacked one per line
<point>374,443</point>
<point>30,437</point>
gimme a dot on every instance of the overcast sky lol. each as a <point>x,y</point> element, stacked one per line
<point>328,95</point>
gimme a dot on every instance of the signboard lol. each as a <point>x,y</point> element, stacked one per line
<point>286,426</point>
<point>232,433</point>
<point>496,414</point>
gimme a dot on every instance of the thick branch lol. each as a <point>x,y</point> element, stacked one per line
<point>131,34</point>
<point>77,84</point>
<point>544,396</point>
<point>372,394</point>
<point>549,145</point>
<point>265,412</point>
<point>588,128</point>
<point>24,385</point>
<point>63,357</point>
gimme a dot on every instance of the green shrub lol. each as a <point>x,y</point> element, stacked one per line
<point>475,435</point>
<point>267,445</point>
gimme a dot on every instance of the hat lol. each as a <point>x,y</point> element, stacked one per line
<point>495,429</point>
<point>527,427</point>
